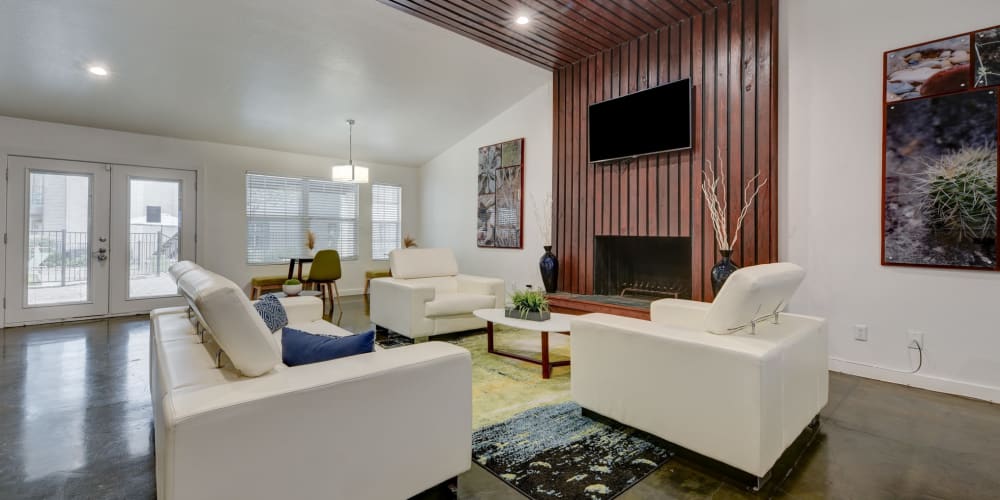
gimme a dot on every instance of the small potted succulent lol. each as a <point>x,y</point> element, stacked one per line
<point>292,287</point>
<point>528,304</point>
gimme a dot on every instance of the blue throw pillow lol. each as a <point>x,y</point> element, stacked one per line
<point>302,348</point>
<point>272,312</point>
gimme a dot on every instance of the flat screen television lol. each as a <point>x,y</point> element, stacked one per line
<point>655,120</point>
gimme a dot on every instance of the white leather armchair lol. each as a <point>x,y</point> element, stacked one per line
<point>427,296</point>
<point>740,396</point>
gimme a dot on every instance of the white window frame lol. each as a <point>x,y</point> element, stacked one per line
<point>399,222</point>
<point>303,216</point>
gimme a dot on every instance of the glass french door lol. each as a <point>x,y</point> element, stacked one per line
<point>152,227</point>
<point>91,239</point>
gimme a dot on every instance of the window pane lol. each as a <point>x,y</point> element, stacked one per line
<point>281,209</point>
<point>386,220</point>
<point>58,251</point>
<point>154,236</point>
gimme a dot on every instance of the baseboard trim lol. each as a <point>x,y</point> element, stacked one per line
<point>918,380</point>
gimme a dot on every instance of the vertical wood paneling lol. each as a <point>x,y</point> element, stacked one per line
<point>698,81</point>
<point>763,125</point>
<point>685,157</point>
<point>575,174</point>
<point>735,123</point>
<point>748,238</point>
<point>642,164</point>
<point>653,78</point>
<point>663,161</point>
<point>588,226</point>
<point>728,52</point>
<point>674,162</point>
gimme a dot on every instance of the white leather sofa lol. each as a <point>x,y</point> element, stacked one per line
<point>427,296</point>
<point>740,396</point>
<point>383,425</point>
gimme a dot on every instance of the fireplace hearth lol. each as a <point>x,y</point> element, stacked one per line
<point>646,267</point>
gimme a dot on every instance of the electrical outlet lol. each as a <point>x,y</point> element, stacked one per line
<point>861,333</point>
<point>915,336</point>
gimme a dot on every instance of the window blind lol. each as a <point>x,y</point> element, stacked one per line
<point>281,209</point>
<point>386,220</point>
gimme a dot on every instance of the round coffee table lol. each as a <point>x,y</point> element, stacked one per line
<point>557,323</point>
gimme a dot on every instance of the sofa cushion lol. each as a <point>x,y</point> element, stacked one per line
<point>191,365</point>
<point>454,304</point>
<point>232,321</point>
<point>301,348</point>
<point>752,293</point>
<point>272,312</point>
<point>440,284</point>
<point>407,263</point>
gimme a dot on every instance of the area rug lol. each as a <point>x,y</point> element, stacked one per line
<point>554,451</point>
<point>503,387</point>
<point>529,434</point>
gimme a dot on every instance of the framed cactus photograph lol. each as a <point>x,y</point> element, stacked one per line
<point>940,181</point>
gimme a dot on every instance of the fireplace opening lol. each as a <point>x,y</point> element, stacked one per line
<point>643,267</point>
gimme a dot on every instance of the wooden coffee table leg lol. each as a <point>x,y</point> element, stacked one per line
<point>546,369</point>
<point>489,336</point>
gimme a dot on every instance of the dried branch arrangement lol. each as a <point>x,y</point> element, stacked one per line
<point>543,217</point>
<point>713,186</point>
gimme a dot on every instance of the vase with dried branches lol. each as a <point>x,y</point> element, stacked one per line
<point>713,186</point>
<point>548,265</point>
<point>311,242</point>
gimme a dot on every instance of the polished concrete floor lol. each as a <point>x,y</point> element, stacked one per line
<point>75,423</point>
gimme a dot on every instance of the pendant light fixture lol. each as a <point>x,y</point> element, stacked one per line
<point>350,173</point>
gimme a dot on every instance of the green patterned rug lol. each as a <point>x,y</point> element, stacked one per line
<point>503,387</point>
<point>529,434</point>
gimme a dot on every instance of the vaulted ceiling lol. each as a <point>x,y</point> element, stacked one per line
<point>559,32</point>
<point>279,75</point>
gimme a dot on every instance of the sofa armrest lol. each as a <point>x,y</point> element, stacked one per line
<point>483,286</point>
<point>302,309</point>
<point>399,306</point>
<point>327,430</point>
<point>680,313</point>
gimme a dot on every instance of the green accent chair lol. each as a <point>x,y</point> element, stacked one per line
<point>324,273</point>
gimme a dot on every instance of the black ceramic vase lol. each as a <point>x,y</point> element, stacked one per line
<point>549,266</point>
<point>721,270</point>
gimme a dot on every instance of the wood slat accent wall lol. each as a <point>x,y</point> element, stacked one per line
<point>730,54</point>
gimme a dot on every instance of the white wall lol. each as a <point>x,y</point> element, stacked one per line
<point>830,159</point>
<point>221,185</point>
<point>449,198</point>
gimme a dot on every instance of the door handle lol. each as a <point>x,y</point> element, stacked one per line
<point>102,254</point>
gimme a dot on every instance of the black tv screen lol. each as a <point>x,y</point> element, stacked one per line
<point>655,120</point>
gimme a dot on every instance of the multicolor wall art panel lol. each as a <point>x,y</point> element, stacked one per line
<point>501,195</point>
<point>939,193</point>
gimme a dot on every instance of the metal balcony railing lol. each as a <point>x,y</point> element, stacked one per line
<point>58,258</point>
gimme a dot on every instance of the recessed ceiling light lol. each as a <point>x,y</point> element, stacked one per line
<point>97,70</point>
<point>522,20</point>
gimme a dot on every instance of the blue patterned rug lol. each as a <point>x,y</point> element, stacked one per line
<point>555,452</point>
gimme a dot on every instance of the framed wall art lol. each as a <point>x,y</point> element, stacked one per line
<point>939,170</point>
<point>500,193</point>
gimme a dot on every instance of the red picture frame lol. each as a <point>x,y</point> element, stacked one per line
<point>909,223</point>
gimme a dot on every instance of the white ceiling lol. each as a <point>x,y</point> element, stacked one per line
<point>282,75</point>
